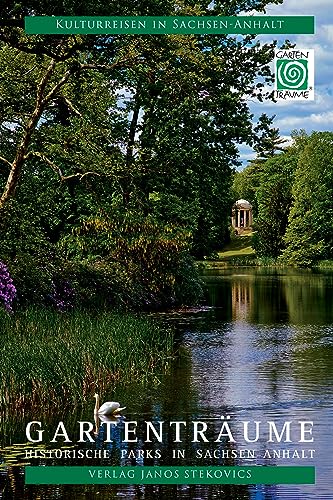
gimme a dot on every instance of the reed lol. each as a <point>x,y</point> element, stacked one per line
<point>48,357</point>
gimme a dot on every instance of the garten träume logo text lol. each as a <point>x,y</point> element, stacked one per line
<point>294,74</point>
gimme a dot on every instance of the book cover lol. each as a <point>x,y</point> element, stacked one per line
<point>166,181</point>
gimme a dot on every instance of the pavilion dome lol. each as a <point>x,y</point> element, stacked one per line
<point>243,204</point>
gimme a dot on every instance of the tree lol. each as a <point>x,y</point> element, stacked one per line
<point>267,143</point>
<point>274,201</point>
<point>124,128</point>
<point>193,116</point>
<point>246,183</point>
<point>267,140</point>
<point>48,87</point>
<point>309,237</point>
<point>213,73</point>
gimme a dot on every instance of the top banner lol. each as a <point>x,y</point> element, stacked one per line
<point>161,25</point>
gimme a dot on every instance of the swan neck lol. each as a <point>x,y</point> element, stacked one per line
<point>97,403</point>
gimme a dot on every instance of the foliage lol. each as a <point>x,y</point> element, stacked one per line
<point>63,295</point>
<point>117,152</point>
<point>246,183</point>
<point>31,258</point>
<point>294,202</point>
<point>268,141</point>
<point>154,257</point>
<point>309,237</point>
<point>274,201</point>
<point>325,264</point>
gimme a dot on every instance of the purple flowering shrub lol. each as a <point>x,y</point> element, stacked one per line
<point>63,295</point>
<point>7,288</point>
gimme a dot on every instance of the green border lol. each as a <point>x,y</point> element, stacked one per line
<point>277,25</point>
<point>170,475</point>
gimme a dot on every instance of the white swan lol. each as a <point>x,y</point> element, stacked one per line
<point>108,408</point>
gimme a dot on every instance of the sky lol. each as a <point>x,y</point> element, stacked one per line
<point>314,115</point>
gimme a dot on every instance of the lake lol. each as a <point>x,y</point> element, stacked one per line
<point>260,350</point>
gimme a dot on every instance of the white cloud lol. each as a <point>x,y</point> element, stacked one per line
<point>246,153</point>
<point>327,30</point>
<point>303,5</point>
<point>288,140</point>
<point>314,121</point>
<point>314,115</point>
<point>321,9</point>
<point>317,114</point>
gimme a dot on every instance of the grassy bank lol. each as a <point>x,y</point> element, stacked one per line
<point>240,247</point>
<point>238,252</point>
<point>48,358</point>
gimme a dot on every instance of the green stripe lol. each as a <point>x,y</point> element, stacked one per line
<point>278,25</point>
<point>170,475</point>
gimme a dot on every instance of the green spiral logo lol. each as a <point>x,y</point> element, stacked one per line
<point>292,75</point>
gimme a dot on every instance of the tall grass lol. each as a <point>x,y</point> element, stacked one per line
<point>47,357</point>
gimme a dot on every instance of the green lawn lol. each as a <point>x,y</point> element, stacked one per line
<point>239,247</point>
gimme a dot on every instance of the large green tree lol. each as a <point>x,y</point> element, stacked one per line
<point>274,200</point>
<point>273,181</point>
<point>192,86</point>
<point>267,143</point>
<point>97,131</point>
<point>309,237</point>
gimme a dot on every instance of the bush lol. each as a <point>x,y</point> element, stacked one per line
<point>126,260</point>
<point>7,288</point>
<point>152,259</point>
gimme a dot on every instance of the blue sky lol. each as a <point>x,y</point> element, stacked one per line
<point>314,115</point>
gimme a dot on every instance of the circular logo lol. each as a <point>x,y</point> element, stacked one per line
<point>292,74</point>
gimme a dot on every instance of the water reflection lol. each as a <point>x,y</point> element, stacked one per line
<point>263,351</point>
<point>271,295</point>
<point>241,299</point>
<point>268,354</point>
